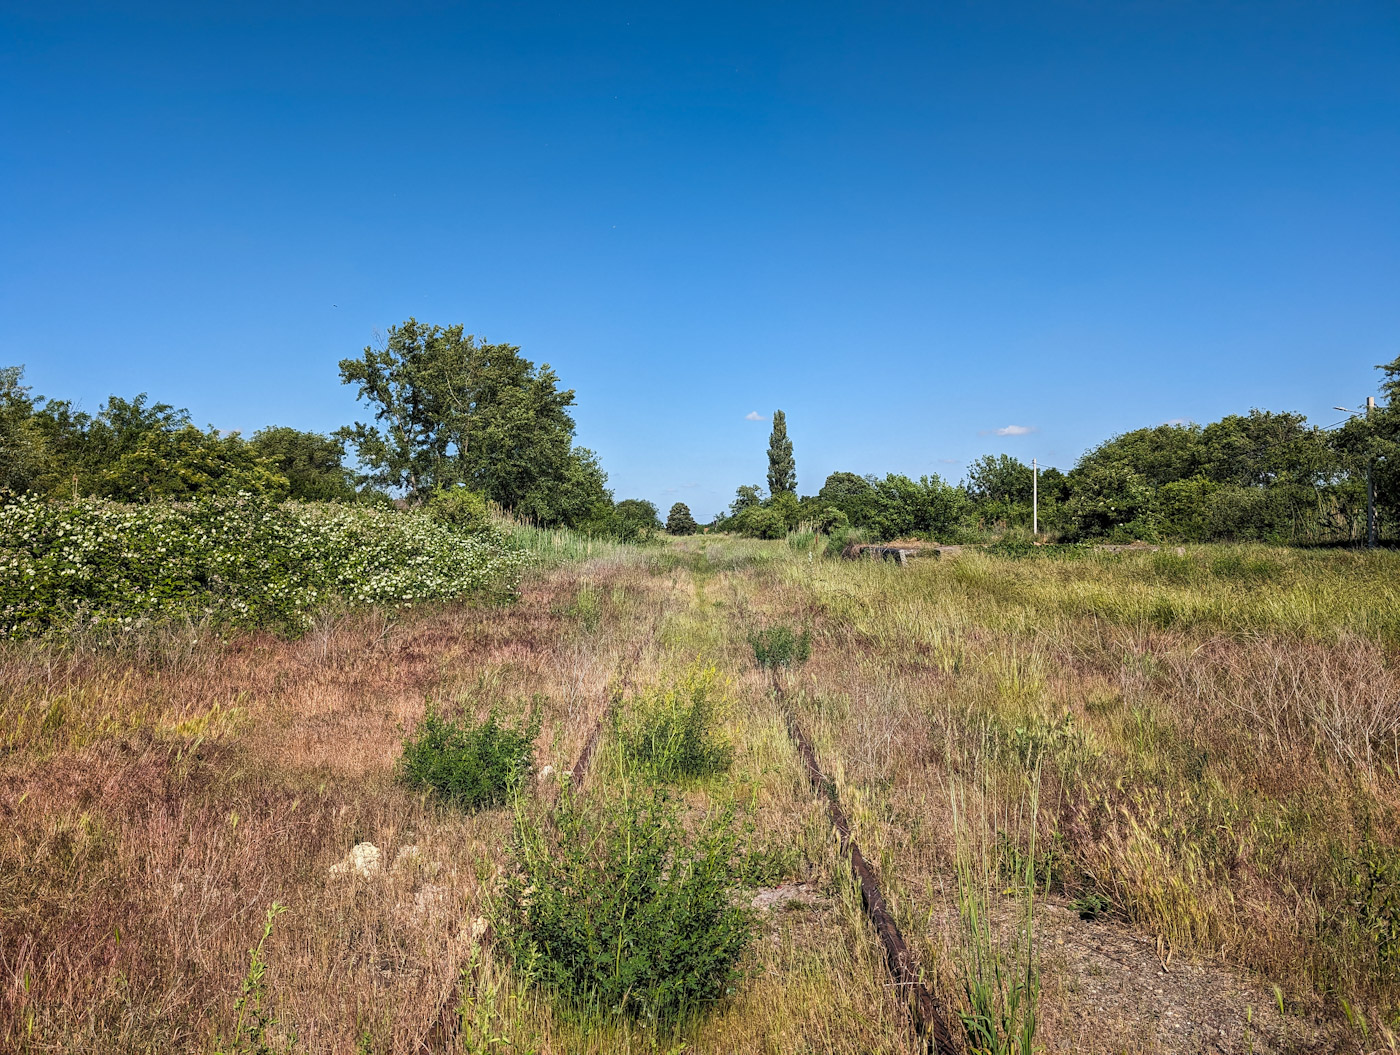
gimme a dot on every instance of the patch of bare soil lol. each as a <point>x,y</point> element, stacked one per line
<point>1105,989</point>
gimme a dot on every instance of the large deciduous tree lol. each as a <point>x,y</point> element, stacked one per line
<point>782,469</point>
<point>454,410</point>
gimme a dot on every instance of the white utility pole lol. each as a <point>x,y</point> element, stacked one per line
<point>1035,498</point>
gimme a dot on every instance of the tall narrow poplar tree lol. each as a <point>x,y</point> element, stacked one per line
<point>782,469</point>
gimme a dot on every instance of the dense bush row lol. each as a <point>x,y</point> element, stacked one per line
<point>240,561</point>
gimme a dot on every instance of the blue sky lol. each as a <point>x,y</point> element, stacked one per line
<point>908,226</point>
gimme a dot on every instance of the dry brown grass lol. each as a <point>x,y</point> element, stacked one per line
<point>1226,767</point>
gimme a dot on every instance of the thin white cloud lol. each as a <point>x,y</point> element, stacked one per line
<point>754,415</point>
<point>1010,430</point>
<point>947,461</point>
<point>1175,421</point>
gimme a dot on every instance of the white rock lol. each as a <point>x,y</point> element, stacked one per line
<point>546,773</point>
<point>405,857</point>
<point>363,860</point>
<point>429,898</point>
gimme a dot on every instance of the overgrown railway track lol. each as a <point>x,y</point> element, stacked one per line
<point>928,1017</point>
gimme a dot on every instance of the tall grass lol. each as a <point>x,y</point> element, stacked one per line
<point>998,960</point>
<point>553,547</point>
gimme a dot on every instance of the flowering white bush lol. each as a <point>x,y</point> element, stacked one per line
<point>241,562</point>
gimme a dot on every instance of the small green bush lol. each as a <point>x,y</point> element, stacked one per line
<point>460,508</point>
<point>778,646</point>
<point>618,913</point>
<point>469,765</point>
<point>841,537</point>
<point>669,732</point>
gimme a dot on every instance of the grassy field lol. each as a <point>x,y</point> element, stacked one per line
<point>1188,761</point>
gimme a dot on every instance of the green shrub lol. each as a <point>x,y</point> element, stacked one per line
<point>669,732</point>
<point>460,508</point>
<point>1370,878</point>
<point>631,520</point>
<point>469,765</point>
<point>842,537</point>
<point>242,562</point>
<point>618,913</point>
<point>829,520</point>
<point>760,522</point>
<point>778,646</point>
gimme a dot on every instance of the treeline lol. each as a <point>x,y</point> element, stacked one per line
<point>449,412</point>
<point>1259,476</point>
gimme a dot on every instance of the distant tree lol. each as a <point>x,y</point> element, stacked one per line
<point>1053,486</point>
<point>22,449</point>
<point>760,522</point>
<point>853,495</point>
<point>782,468</point>
<point>679,521</point>
<point>786,506</point>
<point>1385,423</point>
<point>452,410</point>
<point>995,478</point>
<point>1157,455</point>
<point>746,496</point>
<point>310,461</point>
<point>186,463</point>
<point>1112,499</point>
<point>83,448</point>
<point>130,450</point>
<point>927,506</point>
<point>640,511</point>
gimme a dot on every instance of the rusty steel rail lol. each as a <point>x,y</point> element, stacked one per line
<point>930,1020</point>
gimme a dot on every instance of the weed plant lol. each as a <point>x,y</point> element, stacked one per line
<point>669,733</point>
<point>779,646</point>
<point>998,964</point>
<point>802,541</point>
<point>469,765</point>
<point>616,911</point>
<point>256,1030</point>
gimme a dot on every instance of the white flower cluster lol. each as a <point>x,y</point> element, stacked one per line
<point>243,562</point>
